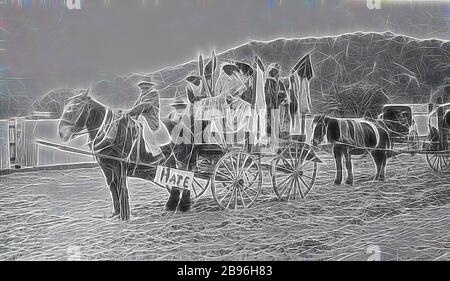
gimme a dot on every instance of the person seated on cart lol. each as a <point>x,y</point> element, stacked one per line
<point>226,110</point>
<point>247,99</point>
<point>147,111</point>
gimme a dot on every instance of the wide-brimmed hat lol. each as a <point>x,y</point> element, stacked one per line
<point>145,86</point>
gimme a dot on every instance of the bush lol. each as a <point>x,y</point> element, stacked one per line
<point>360,100</point>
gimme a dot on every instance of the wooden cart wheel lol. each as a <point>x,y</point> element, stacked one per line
<point>237,180</point>
<point>294,172</point>
<point>438,162</point>
<point>413,141</point>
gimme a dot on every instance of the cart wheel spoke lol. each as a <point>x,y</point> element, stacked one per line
<point>230,171</point>
<point>244,161</point>
<point>304,164</point>
<point>294,189</point>
<point>233,165</point>
<point>226,194</point>
<point>305,184</point>
<point>283,178</point>
<point>225,175</point>
<point>292,158</point>
<point>242,197</point>
<point>198,189</point>
<point>194,190</point>
<point>287,187</point>
<point>284,184</point>
<point>288,166</point>
<point>300,157</point>
<point>434,160</point>
<point>291,191</point>
<point>438,162</point>
<point>246,194</point>
<point>254,191</point>
<point>231,198</point>
<point>246,169</point>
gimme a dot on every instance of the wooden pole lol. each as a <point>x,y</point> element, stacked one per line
<point>443,141</point>
<point>12,144</point>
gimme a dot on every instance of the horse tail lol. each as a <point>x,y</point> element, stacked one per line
<point>383,134</point>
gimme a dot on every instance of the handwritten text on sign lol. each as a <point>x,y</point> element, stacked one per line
<point>173,177</point>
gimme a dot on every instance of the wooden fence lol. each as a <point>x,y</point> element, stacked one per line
<point>18,149</point>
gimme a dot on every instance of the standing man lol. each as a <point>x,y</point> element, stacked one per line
<point>146,111</point>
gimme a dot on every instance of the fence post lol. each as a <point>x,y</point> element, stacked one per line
<point>12,144</point>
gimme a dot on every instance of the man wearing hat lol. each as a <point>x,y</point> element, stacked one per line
<point>147,111</point>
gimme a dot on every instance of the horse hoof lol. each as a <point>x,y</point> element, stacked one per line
<point>349,182</point>
<point>113,215</point>
<point>170,208</point>
<point>185,203</point>
<point>126,216</point>
<point>337,182</point>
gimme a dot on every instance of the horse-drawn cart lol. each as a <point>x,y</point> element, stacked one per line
<point>235,176</point>
<point>423,128</point>
<point>232,168</point>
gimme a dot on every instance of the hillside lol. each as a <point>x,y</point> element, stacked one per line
<point>406,69</point>
<point>398,68</point>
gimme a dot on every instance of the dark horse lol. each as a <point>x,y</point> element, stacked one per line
<point>353,137</point>
<point>116,140</point>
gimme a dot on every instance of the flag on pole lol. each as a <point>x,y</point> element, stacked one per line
<point>299,93</point>
<point>259,118</point>
<point>302,74</point>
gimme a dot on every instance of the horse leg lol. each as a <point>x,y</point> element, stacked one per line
<point>378,159</point>
<point>383,167</point>
<point>338,158</point>
<point>111,181</point>
<point>174,198</point>
<point>115,198</point>
<point>185,202</point>
<point>124,198</point>
<point>349,167</point>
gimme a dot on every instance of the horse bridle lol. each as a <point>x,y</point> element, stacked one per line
<point>81,111</point>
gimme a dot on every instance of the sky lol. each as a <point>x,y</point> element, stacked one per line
<point>46,45</point>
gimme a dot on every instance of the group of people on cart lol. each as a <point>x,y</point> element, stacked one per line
<point>238,100</point>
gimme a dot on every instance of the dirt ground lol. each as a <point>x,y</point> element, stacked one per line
<point>60,215</point>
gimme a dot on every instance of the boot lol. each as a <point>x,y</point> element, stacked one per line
<point>185,203</point>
